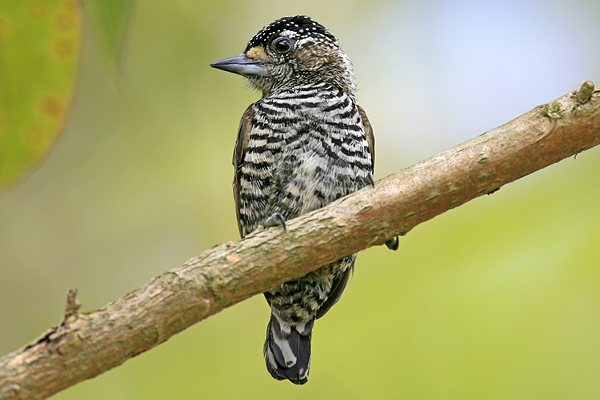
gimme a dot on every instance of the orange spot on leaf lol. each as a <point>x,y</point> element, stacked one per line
<point>53,107</point>
<point>63,48</point>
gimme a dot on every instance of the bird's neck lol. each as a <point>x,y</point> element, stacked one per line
<point>310,90</point>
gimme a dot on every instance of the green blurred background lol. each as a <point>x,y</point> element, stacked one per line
<point>498,299</point>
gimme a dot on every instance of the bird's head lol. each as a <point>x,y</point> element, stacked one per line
<point>289,52</point>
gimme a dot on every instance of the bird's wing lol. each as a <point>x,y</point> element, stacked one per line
<point>369,132</point>
<point>392,243</point>
<point>241,144</point>
<point>339,284</point>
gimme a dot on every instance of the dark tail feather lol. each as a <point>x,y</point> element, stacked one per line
<point>287,350</point>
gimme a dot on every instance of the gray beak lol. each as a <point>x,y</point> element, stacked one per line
<point>241,65</point>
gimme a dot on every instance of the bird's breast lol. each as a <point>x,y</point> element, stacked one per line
<point>306,149</point>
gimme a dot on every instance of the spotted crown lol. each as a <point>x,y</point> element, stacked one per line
<point>295,27</point>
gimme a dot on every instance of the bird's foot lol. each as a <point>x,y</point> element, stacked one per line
<point>276,220</point>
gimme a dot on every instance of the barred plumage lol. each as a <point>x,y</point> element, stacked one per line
<point>302,152</point>
<point>303,145</point>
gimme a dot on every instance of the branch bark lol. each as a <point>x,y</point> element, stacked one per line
<point>85,345</point>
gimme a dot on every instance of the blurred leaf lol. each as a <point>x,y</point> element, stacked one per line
<point>110,19</point>
<point>39,48</point>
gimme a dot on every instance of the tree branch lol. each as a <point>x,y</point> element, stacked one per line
<point>85,345</point>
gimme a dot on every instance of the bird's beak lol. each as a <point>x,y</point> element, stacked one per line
<point>242,65</point>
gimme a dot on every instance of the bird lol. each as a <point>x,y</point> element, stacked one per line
<point>304,144</point>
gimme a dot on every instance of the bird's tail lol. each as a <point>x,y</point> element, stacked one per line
<point>287,350</point>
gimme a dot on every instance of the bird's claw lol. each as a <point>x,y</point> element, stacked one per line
<point>393,243</point>
<point>370,180</point>
<point>276,219</point>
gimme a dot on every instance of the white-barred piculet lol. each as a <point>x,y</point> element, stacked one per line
<point>304,144</point>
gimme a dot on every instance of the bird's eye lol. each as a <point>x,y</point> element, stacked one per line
<point>282,45</point>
